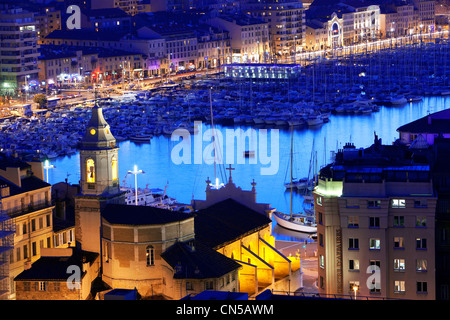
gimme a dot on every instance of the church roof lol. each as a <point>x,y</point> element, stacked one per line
<point>226,221</point>
<point>193,260</point>
<point>98,134</point>
<point>141,215</point>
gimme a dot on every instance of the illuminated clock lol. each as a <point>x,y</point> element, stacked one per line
<point>92,131</point>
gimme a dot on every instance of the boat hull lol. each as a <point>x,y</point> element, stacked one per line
<point>282,221</point>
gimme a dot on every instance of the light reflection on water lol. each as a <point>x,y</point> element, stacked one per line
<point>187,181</point>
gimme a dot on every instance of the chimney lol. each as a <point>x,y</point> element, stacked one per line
<point>4,191</point>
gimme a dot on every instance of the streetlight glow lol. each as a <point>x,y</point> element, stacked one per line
<point>46,167</point>
<point>136,172</point>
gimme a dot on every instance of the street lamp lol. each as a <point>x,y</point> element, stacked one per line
<point>421,26</point>
<point>136,172</point>
<point>355,290</point>
<point>26,87</point>
<point>46,167</point>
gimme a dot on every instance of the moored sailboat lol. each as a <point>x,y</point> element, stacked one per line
<point>295,221</point>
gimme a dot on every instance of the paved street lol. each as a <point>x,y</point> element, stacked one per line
<point>308,258</point>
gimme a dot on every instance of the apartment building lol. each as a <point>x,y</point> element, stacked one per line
<point>249,37</point>
<point>426,15</point>
<point>286,23</point>
<point>324,32</point>
<point>397,19</point>
<point>316,36</point>
<point>19,51</point>
<point>74,65</point>
<point>147,50</point>
<point>375,209</point>
<point>131,7</point>
<point>26,200</point>
<point>214,47</point>
<point>48,19</point>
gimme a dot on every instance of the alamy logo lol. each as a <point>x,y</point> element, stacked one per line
<point>74,20</point>
<point>74,280</point>
<point>258,141</point>
<point>374,280</point>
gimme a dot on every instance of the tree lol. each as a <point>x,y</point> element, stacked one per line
<point>40,99</point>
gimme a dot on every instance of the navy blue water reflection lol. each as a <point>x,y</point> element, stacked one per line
<point>187,181</point>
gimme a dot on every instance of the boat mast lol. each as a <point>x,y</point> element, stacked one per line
<point>214,138</point>
<point>292,146</point>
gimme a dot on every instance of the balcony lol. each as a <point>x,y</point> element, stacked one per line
<point>28,209</point>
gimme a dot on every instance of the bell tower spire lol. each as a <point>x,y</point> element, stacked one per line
<point>98,156</point>
<point>99,180</point>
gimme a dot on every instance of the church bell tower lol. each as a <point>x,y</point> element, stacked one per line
<point>99,157</point>
<point>99,180</point>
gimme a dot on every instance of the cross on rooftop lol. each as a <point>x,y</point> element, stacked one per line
<point>229,169</point>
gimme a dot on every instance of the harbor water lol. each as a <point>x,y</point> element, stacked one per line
<point>186,181</point>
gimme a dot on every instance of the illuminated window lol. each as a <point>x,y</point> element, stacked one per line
<point>399,264</point>
<point>374,244</point>
<point>114,169</point>
<point>353,265</point>
<point>399,286</point>
<point>421,265</point>
<point>353,221</point>
<point>398,203</point>
<point>90,166</point>
<point>398,242</point>
<point>42,286</point>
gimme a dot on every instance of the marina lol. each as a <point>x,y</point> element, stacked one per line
<point>333,101</point>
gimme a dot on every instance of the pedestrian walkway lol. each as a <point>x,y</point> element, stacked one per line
<point>308,255</point>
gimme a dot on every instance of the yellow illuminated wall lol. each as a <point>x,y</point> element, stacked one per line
<point>114,168</point>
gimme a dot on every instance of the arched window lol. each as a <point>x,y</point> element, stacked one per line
<point>90,171</point>
<point>150,253</point>
<point>114,169</point>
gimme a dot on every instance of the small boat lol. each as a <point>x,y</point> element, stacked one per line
<point>414,98</point>
<point>141,138</point>
<point>295,222</point>
<point>398,100</point>
<point>148,197</point>
<point>314,120</point>
<point>297,183</point>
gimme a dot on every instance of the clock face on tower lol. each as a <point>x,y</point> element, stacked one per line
<point>92,131</point>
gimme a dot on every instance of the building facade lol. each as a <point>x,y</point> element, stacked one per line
<point>26,200</point>
<point>376,226</point>
<point>286,23</point>
<point>249,37</point>
<point>19,54</point>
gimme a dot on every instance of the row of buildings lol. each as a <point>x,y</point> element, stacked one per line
<point>78,242</point>
<point>155,41</point>
<point>382,228</point>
